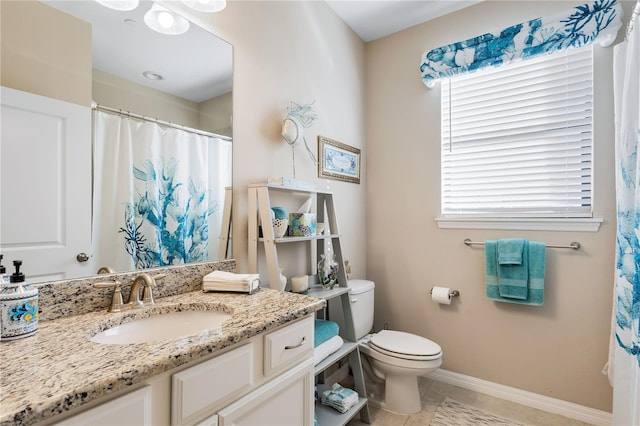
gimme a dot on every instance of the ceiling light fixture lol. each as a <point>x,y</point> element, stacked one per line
<point>210,6</point>
<point>122,5</point>
<point>153,75</point>
<point>164,21</point>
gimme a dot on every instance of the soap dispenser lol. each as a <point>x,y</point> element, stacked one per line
<point>4,277</point>
<point>18,307</point>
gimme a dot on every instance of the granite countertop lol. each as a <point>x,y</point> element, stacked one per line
<point>59,368</point>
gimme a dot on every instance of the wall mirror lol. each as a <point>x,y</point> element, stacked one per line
<point>179,83</point>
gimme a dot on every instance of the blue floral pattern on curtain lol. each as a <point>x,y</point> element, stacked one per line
<point>158,193</point>
<point>576,27</point>
<point>624,356</point>
<point>167,224</point>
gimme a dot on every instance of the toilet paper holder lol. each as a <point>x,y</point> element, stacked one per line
<point>454,293</point>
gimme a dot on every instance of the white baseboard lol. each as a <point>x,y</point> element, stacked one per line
<point>541,402</point>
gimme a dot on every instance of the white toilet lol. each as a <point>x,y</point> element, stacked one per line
<point>396,357</point>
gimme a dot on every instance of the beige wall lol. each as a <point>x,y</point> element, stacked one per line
<point>44,51</point>
<point>293,51</point>
<point>557,350</point>
<point>115,92</point>
<point>216,116</point>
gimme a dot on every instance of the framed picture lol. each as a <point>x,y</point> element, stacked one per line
<point>338,160</point>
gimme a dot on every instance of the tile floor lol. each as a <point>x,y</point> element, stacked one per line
<point>433,392</point>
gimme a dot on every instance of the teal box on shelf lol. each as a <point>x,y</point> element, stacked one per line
<point>302,224</point>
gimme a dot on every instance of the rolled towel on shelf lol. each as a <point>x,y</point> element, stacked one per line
<point>327,348</point>
<point>323,331</point>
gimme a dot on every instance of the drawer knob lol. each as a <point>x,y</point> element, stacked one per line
<point>302,342</point>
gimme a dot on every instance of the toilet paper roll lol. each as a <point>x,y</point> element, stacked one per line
<point>441,295</point>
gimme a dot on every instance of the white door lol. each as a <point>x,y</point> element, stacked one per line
<point>45,186</point>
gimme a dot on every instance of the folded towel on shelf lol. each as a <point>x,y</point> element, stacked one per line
<point>229,281</point>
<point>511,251</point>
<point>323,331</point>
<point>342,399</point>
<point>536,269</point>
<point>325,349</point>
<point>513,278</point>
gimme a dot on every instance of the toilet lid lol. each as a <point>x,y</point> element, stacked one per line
<point>405,345</point>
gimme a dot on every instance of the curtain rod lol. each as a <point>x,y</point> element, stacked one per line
<point>574,245</point>
<point>161,122</point>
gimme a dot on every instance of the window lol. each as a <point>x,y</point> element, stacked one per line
<point>517,139</point>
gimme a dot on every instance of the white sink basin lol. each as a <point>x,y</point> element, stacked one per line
<point>163,326</point>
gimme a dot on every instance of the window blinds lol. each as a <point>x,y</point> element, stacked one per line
<point>517,139</point>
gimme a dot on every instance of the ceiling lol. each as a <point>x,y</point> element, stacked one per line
<point>374,19</point>
<point>123,46</point>
<point>195,65</point>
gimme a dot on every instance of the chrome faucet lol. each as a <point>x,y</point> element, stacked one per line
<point>147,282</point>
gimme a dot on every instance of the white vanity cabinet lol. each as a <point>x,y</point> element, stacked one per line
<point>266,380</point>
<point>270,379</point>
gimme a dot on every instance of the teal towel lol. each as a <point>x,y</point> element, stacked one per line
<point>324,330</point>
<point>490,264</point>
<point>537,253</point>
<point>536,260</point>
<point>513,278</point>
<point>511,251</point>
<point>342,399</point>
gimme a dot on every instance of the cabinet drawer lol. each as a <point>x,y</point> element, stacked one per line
<point>198,389</point>
<point>133,408</point>
<point>284,346</point>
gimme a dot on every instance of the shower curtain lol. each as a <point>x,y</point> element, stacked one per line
<point>158,193</point>
<point>624,359</point>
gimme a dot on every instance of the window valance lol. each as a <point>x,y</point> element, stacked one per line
<point>575,27</point>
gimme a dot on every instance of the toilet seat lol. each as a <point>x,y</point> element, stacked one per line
<point>403,345</point>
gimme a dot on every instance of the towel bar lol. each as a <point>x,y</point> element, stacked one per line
<point>574,245</point>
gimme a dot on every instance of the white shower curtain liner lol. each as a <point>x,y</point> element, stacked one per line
<point>158,193</point>
<point>624,357</point>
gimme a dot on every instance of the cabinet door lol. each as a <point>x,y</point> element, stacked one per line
<point>133,408</point>
<point>285,401</point>
<point>198,389</point>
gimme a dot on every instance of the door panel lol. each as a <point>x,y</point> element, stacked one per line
<point>45,185</point>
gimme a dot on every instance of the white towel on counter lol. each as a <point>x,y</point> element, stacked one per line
<point>325,349</point>
<point>230,281</point>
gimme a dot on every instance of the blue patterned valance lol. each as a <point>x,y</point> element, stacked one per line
<point>576,27</point>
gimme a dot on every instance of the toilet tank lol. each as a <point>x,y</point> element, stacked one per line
<point>361,298</point>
